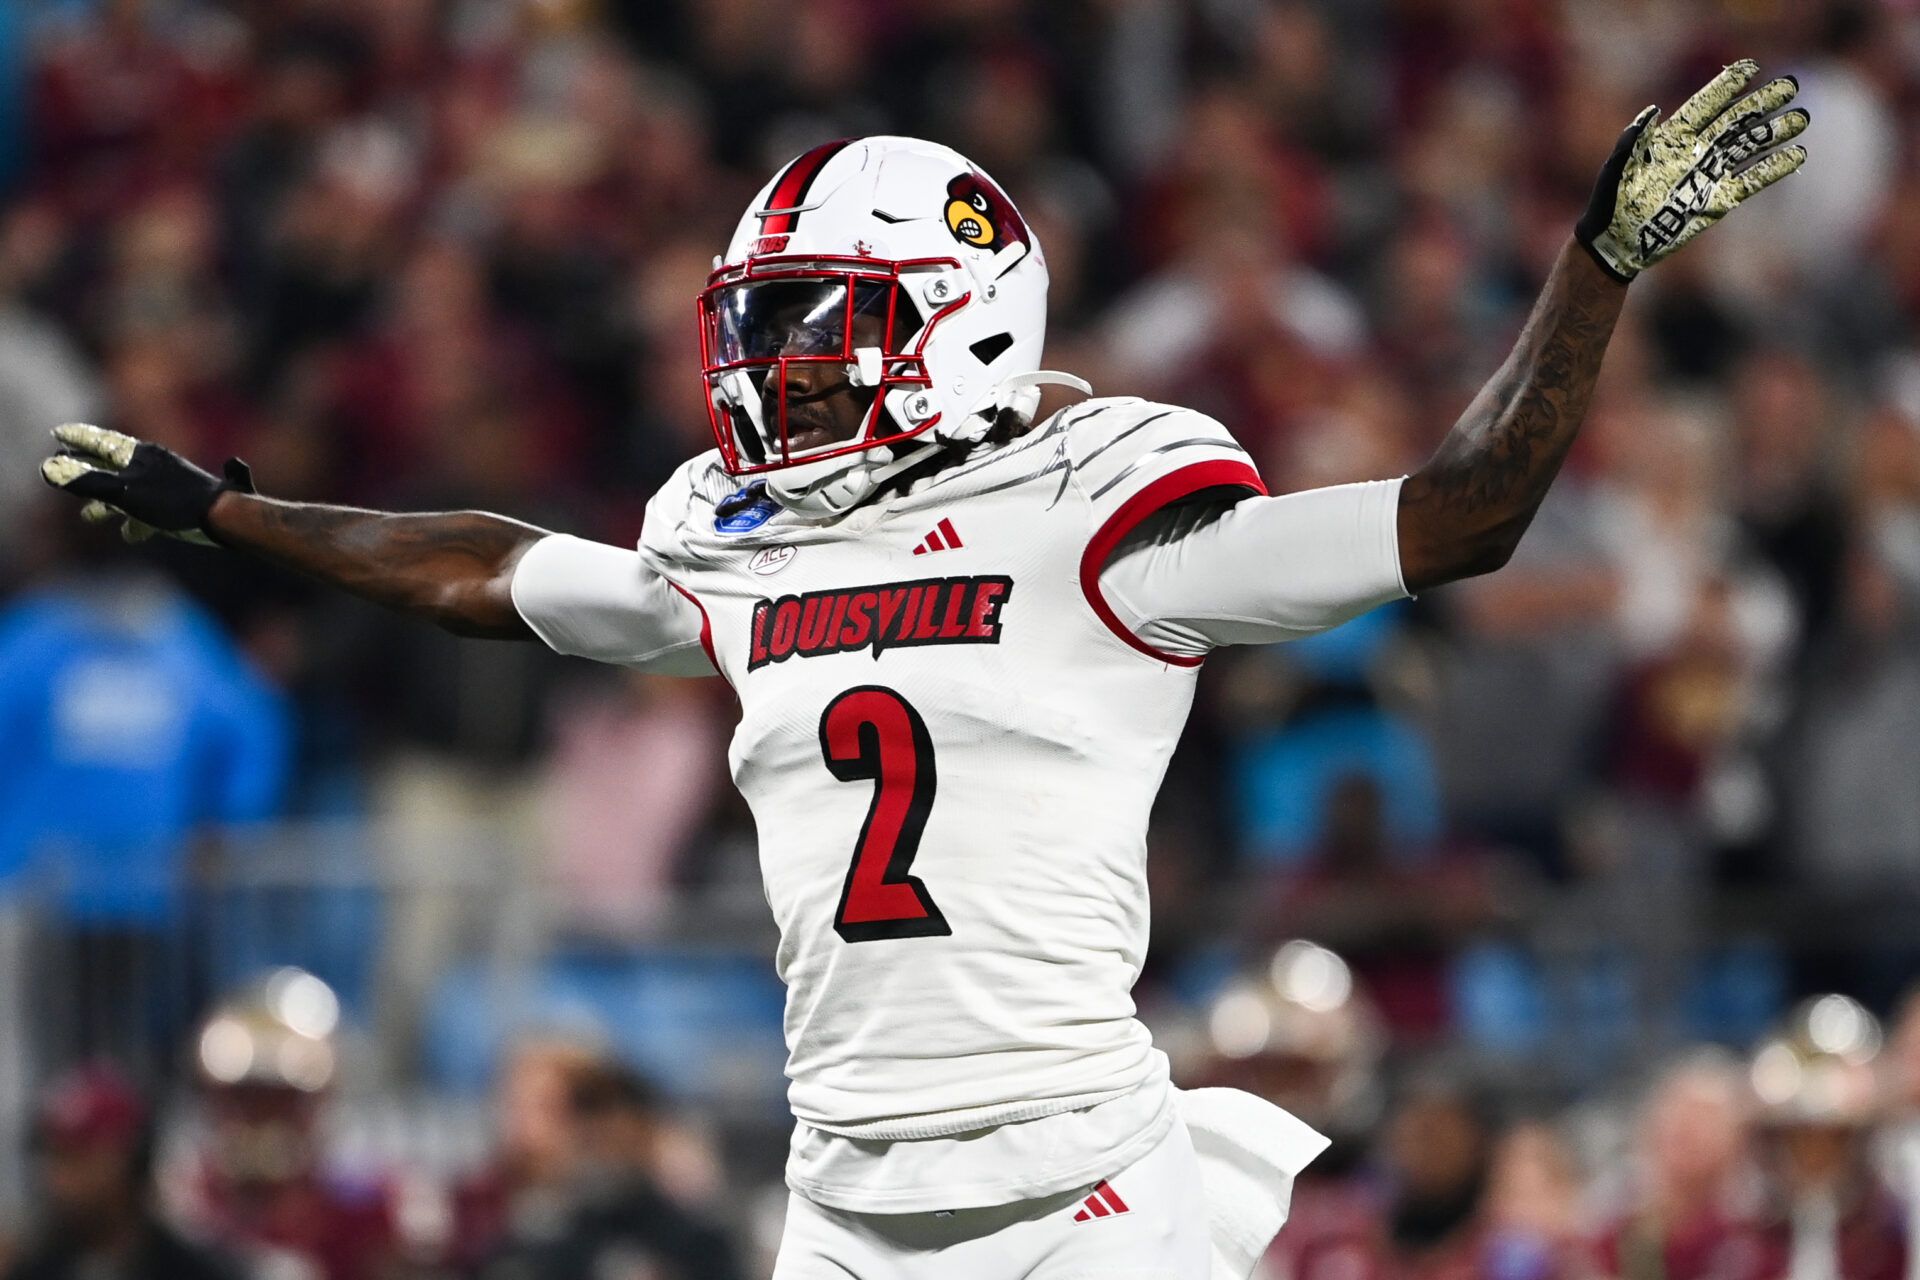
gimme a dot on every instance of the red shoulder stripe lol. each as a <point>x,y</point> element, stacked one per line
<point>1164,492</point>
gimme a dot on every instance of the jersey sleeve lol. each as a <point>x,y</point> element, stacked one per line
<point>596,601</point>
<point>1132,460</point>
<point>1257,570</point>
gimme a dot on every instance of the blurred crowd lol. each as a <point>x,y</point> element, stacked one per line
<point>586,1175</point>
<point>1644,788</point>
<point>1792,1161</point>
<point>1798,1159</point>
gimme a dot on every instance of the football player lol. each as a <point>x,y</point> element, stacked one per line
<point>964,643</point>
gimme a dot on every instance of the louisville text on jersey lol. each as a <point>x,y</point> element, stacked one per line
<point>888,615</point>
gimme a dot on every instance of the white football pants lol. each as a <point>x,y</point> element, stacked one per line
<point>1146,1222</point>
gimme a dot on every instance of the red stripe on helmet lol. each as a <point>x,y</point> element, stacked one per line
<point>790,188</point>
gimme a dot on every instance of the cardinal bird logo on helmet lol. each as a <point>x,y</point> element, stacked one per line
<point>980,216</point>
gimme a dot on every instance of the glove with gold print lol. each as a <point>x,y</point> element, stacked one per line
<point>1669,180</point>
<point>149,487</point>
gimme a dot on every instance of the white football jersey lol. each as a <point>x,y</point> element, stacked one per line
<point>950,754</point>
<point>951,738</point>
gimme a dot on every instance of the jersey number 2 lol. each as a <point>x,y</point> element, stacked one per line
<point>873,734</point>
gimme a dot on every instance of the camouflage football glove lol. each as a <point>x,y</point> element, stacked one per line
<point>1669,180</point>
<point>151,488</point>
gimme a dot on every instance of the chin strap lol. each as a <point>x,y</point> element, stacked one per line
<point>1020,393</point>
<point>836,486</point>
<point>842,490</point>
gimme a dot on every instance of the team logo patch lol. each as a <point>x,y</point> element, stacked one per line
<point>744,519</point>
<point>889,615</point>
<point>768,561</point>
<point>980,215</point>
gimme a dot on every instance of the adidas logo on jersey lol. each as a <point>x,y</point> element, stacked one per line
<point>889,615</point>
<point>942,538</point>
<point>1105,1202</point>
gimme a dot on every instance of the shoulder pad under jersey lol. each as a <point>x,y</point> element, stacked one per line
<point>1131,457</point>
<point>686,505</point>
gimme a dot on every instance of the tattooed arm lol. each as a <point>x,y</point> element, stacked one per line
<point>1256,570</point>
<point>1464,511</point>
<point>454,568</point>
<point>451,568</point>
<point>1665,183</point>
<point>472,573</point>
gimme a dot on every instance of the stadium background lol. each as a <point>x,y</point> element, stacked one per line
<point>1632,797</point>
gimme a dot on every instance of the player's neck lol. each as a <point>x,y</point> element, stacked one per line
<point>921,473</point>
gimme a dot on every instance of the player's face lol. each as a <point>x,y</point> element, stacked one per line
<point>823,406</point>
<point>794,340</point>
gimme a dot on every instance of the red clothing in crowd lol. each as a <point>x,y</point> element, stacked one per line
<point>344,1228</point>
<point>1712,1246</point>
<point>1869,1243</point>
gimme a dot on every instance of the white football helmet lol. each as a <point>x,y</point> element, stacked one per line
<point>902,264</point>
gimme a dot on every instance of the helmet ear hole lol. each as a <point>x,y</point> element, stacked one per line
<point>991,348</point>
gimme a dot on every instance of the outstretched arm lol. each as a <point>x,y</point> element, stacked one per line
<point>1464,511</point>
<point>452,568</point>
<point>1253,570</point>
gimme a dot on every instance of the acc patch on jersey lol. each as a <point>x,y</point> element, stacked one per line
<point>768,561</point>
<point>745,519</point>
